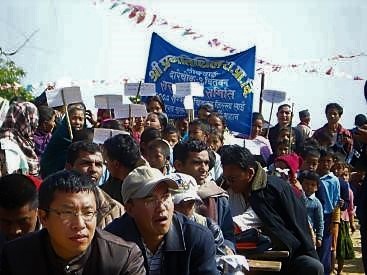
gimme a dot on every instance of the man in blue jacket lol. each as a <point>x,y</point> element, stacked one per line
<point>170,242</point>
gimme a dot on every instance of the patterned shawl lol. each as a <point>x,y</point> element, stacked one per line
<point>19,125</point>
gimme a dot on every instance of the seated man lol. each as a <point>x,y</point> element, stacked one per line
<point>18,207</point>
<point>122,155</point>
<point>192,158</point>
<point>171,243</point>
<point>282,215</point>
<point>86,157</point>
<point>69,242</point>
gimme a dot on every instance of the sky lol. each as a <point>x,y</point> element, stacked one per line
<point>83,41</point>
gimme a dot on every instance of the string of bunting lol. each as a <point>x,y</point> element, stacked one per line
<point>139,15</point>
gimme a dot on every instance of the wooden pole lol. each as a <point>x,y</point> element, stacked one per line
<point>290,130</point>
<point>261,92</point>
<point>67,114</point>
<point>271,113</point>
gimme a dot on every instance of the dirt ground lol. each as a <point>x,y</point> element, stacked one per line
<point>355,266</point>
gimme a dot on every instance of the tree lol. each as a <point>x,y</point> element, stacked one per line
<point>10,76</point>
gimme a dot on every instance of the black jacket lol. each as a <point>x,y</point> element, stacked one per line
<point>107,254</point>
<point>284,217</point>
<point>188,249</point>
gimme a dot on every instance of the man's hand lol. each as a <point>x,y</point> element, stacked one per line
<point>318,243</point>
<point>91,118</point>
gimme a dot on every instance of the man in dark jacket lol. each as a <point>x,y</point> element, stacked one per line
<point>171,243</point>
<point>282,216</point>
<point>70,242</point>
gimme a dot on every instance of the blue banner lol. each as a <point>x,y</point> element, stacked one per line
<point>227,81</point>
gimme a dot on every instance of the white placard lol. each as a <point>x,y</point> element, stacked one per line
<point>274,96</point>
<point>102,134</point>
<point>71,95</point>
<point>108,101</point>
<point>188,88</point>
<point>253,146</point>
<point>130,110</point>
<point>146,89</point>
<point>188,102</point>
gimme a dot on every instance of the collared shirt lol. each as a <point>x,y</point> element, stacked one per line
<point>75,266</point>
<point>154,259</point>
<point>315,215</point>
<point>332,190</point>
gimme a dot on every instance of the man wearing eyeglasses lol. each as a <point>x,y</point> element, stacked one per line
<point>69,242</point>
<point>171,243</point>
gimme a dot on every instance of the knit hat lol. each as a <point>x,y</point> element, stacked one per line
<point>293,161</point>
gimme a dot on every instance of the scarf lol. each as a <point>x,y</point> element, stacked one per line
<point>19,126</point>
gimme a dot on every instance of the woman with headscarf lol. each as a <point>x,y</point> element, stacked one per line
<point>16,139</point>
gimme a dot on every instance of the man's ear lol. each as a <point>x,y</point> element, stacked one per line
<point>129,208</point>
<point>42,215</point>
<point>251,173</point>
<point>178,165</point>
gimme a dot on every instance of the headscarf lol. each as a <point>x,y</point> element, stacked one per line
<point>19,126</point>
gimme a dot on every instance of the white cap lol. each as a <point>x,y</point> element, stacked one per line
<point>187,188</point>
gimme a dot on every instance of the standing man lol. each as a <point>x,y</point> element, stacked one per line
<point>281,215</point>
<point>284,116</point>
<point>69,242</point>
<point>171,243</point>
<point>304,125</point>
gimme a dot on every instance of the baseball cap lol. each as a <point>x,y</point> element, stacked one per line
<point>187,188</point>
<point>141,181</point>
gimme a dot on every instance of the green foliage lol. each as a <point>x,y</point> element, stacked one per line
<point>11,74</point>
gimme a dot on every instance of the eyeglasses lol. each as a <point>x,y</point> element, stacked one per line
<point>68,215</point>
<point>152,202</point>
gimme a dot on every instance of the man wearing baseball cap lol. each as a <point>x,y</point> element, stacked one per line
<point>170,242</point>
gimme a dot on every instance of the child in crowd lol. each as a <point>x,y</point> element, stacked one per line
<point>310,182</point>
<point>137,128</point>
<point>288,135</point>
<point>218,122</point>
<point>282,148</point>
<point>342,171</point>
<point>344,249</point>
<point>256,135</point>
<point>332,192</point>
<point>215,140</point>
<point>185,200</point>
<point>46,124</point>
<point>286,166</point>
<point>158,155</point>
<point>156,120</point>
<point>155,104</point>
<point>310,156</point>
<point>182,125</point>
<point>54,156</point>
<point>171,135</point>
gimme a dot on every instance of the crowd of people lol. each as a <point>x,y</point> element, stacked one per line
<point>173,196</point>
